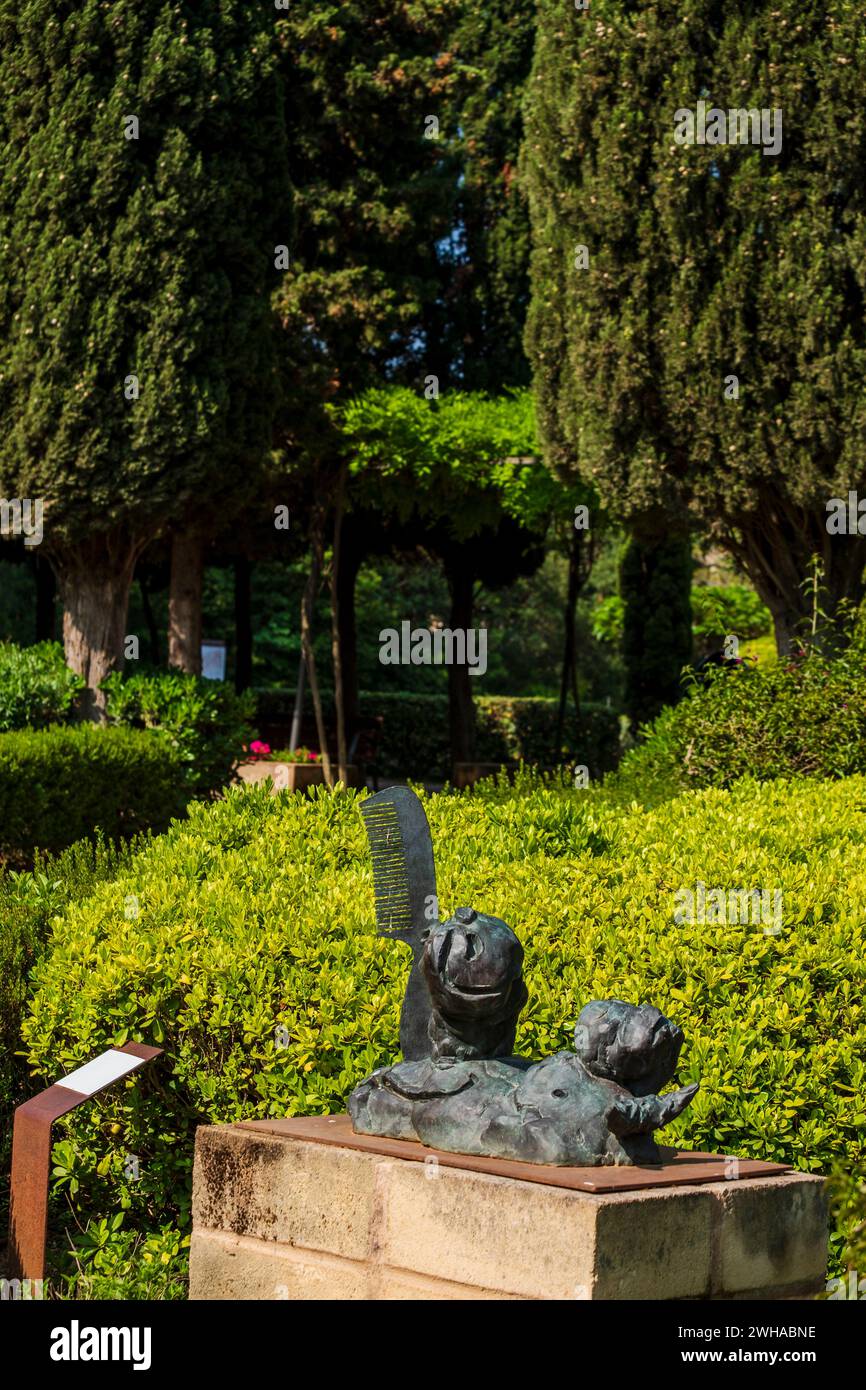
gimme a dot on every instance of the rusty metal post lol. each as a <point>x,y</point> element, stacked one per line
<point>31,1152</point>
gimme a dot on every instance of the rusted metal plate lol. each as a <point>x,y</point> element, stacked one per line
<point>31,1164</point>
<point>678,1169</point>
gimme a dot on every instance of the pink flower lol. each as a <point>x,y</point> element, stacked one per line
<point>259,749</point>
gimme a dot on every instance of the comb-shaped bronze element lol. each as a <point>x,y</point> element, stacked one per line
<point>404,882</point>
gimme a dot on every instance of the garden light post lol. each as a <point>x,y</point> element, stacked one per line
<point>31,1149</point>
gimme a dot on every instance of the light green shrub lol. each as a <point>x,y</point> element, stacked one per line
<point>719,609</point>
<point>257,913</point>
<point>28,904</point>
<point>205,723</point>
<point>37,688</point>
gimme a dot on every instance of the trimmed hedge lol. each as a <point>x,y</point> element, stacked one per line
<point>37,688</point>
<point>525,730</point>
<point>205,723</point>
<point>415,739</point>
<point>257,914</point>
<point>806,718</point>
<point>61,784</point>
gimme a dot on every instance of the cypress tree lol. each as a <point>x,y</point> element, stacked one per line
<point>367,86</point>
<point>375,190</point>
<point>704,353</point>
<point>475,326</point>
<point>142,181</point>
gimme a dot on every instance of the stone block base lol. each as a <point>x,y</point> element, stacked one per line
<point>279,1217</point>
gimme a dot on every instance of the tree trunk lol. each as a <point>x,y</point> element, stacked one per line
<point>461,708</point>
<point>569,655</point>
<point>317,525</point>
<point>298,711</point>
<point>184,603</point>
<point>776,547</point>
<point>46,594</point>
<point>351,555</point>
<point>94,581</point>
<point>150,621</point>
<point>243,624</point>
<point>336,651</point>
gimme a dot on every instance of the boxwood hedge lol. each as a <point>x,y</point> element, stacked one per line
<point>415,740</point>
<point>255,916</point>
<point>61,784</point>
<point>37,688</point>
<point>28,904</point>
<point>804,717</point>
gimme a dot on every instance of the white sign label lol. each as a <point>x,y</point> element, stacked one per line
<point>111,1066</point>
<point>213,661</point>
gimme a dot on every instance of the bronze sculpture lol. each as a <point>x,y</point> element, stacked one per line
<point>459,1088</point>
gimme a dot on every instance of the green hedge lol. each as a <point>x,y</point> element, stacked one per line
<point>257,914</point>
<point>806,717</point>
<point>37,688</point>
<point>205,723</point>
<point>415,739</point>
<point>61,784</point>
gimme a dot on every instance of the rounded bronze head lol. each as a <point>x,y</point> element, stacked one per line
<point>632,1044</point>
<point>472,963</point>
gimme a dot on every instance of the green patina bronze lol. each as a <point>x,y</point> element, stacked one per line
<point>459,1088</point>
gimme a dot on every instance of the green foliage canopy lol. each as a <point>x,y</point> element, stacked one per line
<point>705,261</point>
<point>149,256</point>
<point>467,457</point>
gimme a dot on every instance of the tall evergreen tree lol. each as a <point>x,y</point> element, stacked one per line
<point>705,352</point>
<point>142,182</point>
<point>375,189</point>
<point>475,325</point>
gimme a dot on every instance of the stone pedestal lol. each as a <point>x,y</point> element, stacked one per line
<point>280,1214</point>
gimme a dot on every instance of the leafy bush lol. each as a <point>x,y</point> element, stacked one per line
<point>848,1207</point>
<point>36,686</point>
<point>60,785</point>
<point>205,723</point>
<point>107,1260</point>
<point>607,619</point>
<point>415,740</point>
<point>805,717</point>
<point>719,609</point>
<point>256,915</point>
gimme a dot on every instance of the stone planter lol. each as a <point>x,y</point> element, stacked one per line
<point>292,777</point>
